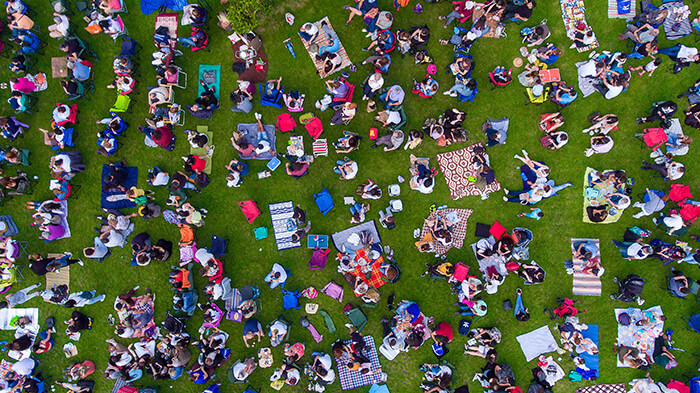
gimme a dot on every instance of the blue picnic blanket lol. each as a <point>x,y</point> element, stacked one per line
<point>592,361</point>
<point>133,174</point>
<point>148,6</point>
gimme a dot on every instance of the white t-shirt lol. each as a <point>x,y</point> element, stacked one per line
<point>263,146</point>
<point>674,222</point>
<point>673,171</point>
<point>651,66</point>
<point>394,117</point>
<point>376,84</point>
<point>687,53</point>
<point>24,367</point>
<point>161,179</point>
<point>114,239</point>
<point>325,360</point>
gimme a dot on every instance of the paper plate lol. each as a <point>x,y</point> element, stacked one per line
<point>517,62</point>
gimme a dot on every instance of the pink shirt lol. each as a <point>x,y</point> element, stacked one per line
<point>24,85</point>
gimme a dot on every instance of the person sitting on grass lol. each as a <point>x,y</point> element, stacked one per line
<point>346,168</point>
<point>391,141</point>
<point>347,143</point>
<point>205,104</point>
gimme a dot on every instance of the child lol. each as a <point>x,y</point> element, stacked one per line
<point>650,67</point>
<point>535,213</point>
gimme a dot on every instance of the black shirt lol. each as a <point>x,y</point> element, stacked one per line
<point>71,87</point>
<point>73,46</point>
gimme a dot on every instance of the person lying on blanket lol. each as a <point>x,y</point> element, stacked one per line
<point>583,36</point>
<point>309,31</point>
<point>205,104</point>
<point>333,43</point>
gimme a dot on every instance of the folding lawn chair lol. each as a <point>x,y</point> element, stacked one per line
<point>320,147</point>
<point>470,97</point>
<point>231,377</point>
<point>324,201</point>
<point>270,101</point>
<point>181,79</point>
<point>285,322</point>
<point>329,321</point>
<point>290,300</point>
<point>693,322</point>
<point>357,318</point>
<point>667,287</point>
<point>121,104</point>
<point>348,96</point>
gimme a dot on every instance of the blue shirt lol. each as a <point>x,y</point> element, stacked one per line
<point>81,71</point>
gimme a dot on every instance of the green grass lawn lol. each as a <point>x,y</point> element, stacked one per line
<point>249,260</point>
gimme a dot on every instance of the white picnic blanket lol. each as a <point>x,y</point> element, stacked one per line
<point>7,314</point>
<point>537,342</point>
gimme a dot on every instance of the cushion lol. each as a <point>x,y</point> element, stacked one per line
<point>250,210</point>
<point>461,271</point>
<point>497,230</point>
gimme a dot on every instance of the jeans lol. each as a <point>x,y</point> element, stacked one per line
<point>623,246</point>
<point>386,213</point>
<point>671,51</point>
<point>262,136</point>
<point>356,208</point>
<point>519,307</point>
<point>465,311</point>
<point>451,16</point>
<point>187,41</point>
<point>423,171</point>
<point>338,163</point>
<point>462,89</point>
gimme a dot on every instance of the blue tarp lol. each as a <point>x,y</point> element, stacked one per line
<point>148,6</point>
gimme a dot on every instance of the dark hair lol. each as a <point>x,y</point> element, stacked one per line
<point>156,134</point>
<point>69,304</point>
<point>4,304</point>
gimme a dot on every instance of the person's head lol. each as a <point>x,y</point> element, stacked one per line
<point>428,182</point>
<point>556,52</point>
<point>480,23</point>
<point>335,84</point>
<point>425,247</point>
<point>195,13</point>
<point>381,62</point>
<point>403,35</point>
<point>69,304</point>
<point>531,4</point>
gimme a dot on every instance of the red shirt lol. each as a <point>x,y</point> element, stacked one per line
<point>165,137</point>
<point>198,165</point>
<point>445,330</point>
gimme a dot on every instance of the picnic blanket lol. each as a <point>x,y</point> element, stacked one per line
<point>585,284</point>
<point>201,151</point>
<point>8,314</point>
<point>283,224</point>
<point>603,190</point>
<point>59,277</point>
<point>497,261</point>
<point>573,12</point>
<point>586,83</point>
<point>250,131</point>
<point>5,368</point>
<point>346,238</point>
<point>251,74</point>
<point>148,6</point>
<point>495,27</point>
<point>603,388</point>
<point>11,226</point>
<point>64,220</point>
<point>613,11</point>
<point>351,379</point>
<point>592,361</point>
<point>459,217</point>
<point>150,329</point>
<point>640,337</point>
<point>320,41</point>
<point>673,27</point>
<point>211,75</point>
<point>375,279</point>
<point>169,20</point>
<point>118,200</point>
<point>456,166</point>
<point>553,371</point>
<point>537,342</point>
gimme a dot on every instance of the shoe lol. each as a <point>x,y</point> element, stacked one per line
<point>258,116</point>
<point>349,325</point>
<point>612,297</point>
<point>518,291</point>
<point>110,86</point>
<point>639,120</point>
<point>364,30</point>
<point>640,301</point>
<point>505,199</point>
<point>80,262</point>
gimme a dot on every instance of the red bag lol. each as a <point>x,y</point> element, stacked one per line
<point>127,389</point>
<point>373,133</point>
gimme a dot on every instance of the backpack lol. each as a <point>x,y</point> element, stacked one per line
<point>203,180</point>
<point>526,31</point>
<point>574,376</point>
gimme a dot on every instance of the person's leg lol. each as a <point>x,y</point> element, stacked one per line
<point>274,284</point>
<point>450,17</point>
<point>670,51</point>
<point>466,313</point>
<point>518,305</point>
<point>353,12</point>
<point>556,189</point>
<point>187,41</point>
<point>95,299</point>
<point>27,295</point>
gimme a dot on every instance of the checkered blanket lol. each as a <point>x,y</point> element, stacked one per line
<point>281,214</point>
<point>353,379</point>
<point>320,41</point>
<point>603,388</point>
<point>456,166</point>
<point>585,284</point>
<point>375,279</point>
<point>640,337</point>
<point>459,231</point>
<point>573,12</point>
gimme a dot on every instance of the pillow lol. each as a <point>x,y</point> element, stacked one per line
<point>497,230</point>
<point>461,271</point>
<point>186,254</point>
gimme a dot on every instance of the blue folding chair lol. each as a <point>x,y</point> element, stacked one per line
<point>270,101</point>
<point>324,201</point>
<point>290,300</point>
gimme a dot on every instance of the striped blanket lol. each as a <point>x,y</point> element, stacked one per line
<point>320,41</point>
<point>573,12</point>
<point>585,284</point>
<point>673,27</point>
<point>283,225</point>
